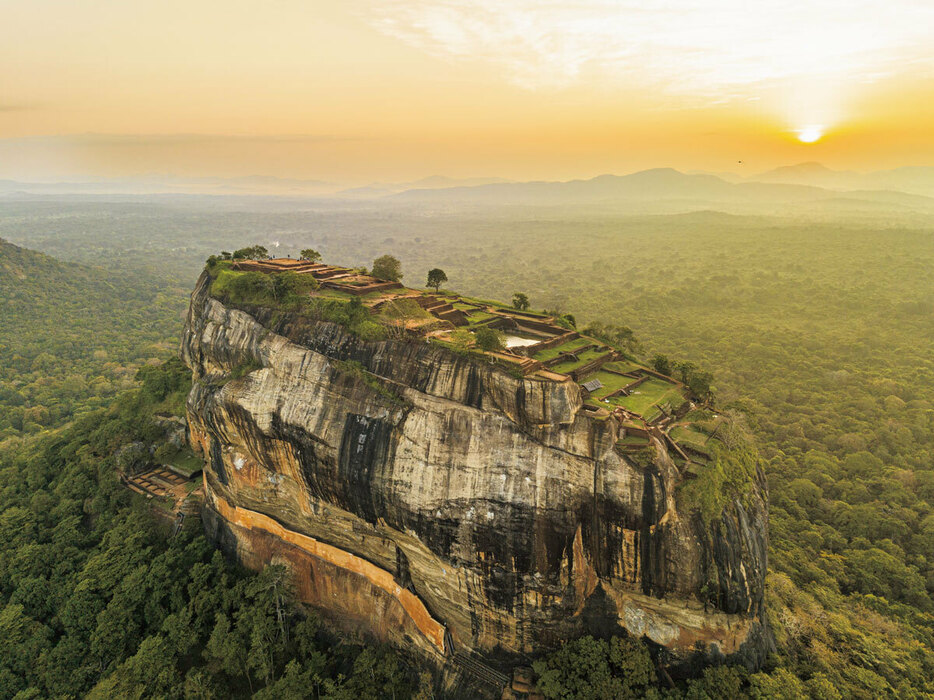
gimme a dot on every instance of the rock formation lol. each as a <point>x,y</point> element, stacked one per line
<point>445,504</point>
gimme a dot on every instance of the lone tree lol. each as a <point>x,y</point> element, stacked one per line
<point>436,278</point>
<point>520,301</point>
<point>386,267</point>
<point>310,254</point>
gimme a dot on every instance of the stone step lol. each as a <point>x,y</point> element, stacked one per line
<point>164,483</point>
<point>480,670</point>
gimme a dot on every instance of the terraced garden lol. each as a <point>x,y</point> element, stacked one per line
<point>623,366</point>
<point>583,358</point>
<point>645,398</point>
<point>611,382</point>
<point>571,345</point>
<point>688,436</point>
<point>476,317</point>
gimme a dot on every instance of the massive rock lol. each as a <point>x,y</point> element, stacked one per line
<point>445,504</point>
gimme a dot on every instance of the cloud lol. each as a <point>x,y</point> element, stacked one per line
<point>723,47</point>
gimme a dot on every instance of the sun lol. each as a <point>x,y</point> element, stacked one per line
<point>810,134</point>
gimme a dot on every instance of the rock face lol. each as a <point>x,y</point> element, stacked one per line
<point>444,504</point>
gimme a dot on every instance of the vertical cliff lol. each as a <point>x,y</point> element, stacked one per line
<point>445,504</point>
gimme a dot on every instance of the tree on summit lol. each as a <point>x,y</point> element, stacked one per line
<point>310,254</point>
<point>621,336</point>
<point>253,252</point>
<point>662,364</point>
<point>489,339</point>
<point>386,267</point>
<point>520,301</point>
<point>436,278</point>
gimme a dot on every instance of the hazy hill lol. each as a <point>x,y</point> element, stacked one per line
<point>914,180</point>
<point>433,182</point>
<point>166,184</point>
<point>243,185</point>
<point>661,185</point>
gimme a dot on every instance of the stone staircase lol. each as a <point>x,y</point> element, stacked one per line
<point>480,670</point>
<point>442,309</point>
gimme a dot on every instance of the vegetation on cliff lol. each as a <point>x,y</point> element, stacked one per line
<point>730,474</point>
<point>288,291</point>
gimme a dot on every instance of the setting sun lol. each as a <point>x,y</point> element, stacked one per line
<point>810,134</point>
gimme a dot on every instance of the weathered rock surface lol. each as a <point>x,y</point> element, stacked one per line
<point>492,502</point>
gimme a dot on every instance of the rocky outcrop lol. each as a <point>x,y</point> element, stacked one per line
<point>442,503</point>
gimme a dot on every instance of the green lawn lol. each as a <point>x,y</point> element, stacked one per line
<point>647,394</point>
<point>543,355</point>
<point>623,366</point>
<point>633,440</point>
<point>501,305</point>
<point>611,382</point>
<point>583,359</point>
<point>689,437</point>
<point>333,294</point>
<point>346,296</point>
<point>478,317</point>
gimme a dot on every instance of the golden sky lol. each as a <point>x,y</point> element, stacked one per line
<point>360,90</point>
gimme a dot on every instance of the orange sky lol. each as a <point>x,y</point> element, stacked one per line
<point>365,90</point>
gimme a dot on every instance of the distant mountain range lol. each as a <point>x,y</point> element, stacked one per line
<point>434,182</point>
<point>668,185</point>
<point>914,180</point>
<point>246,185</point>
<point>170,184</point>
<point>908,188</point>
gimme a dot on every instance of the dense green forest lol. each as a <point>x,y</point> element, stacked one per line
<point>72,337</point>
<point>97,598</point>
<point>820,332</point>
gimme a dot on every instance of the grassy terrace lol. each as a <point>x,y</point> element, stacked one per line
<point>333,294</point>
<point>543,355</point>
<point>476,317</point>
<point>502,305</point>
<point>623,366</point>
<point>690,437</point>
<point>645,397</point>
<point>633,441</point>
<point>611,382</point>
<point>582,359</point>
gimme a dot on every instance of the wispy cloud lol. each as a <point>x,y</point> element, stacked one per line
<point>685,46</point>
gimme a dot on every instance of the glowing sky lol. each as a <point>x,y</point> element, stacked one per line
<point>363,89</point>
